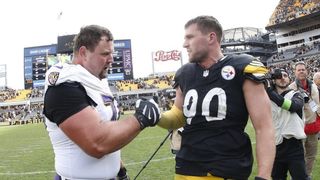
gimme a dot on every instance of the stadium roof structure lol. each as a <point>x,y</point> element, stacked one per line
<point>247,40</point>
<point>240,34</point>
<point>245,35</point>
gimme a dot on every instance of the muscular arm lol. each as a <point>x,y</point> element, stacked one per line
<point>98,138</point>
<point>258,105</point>
<point>72,110</point>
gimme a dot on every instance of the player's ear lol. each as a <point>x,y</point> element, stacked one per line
<point>212,36</point>
<point>82,51</point>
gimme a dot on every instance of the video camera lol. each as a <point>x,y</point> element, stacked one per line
<point>275,74</point>
<point>305,95</point>
<point>272,75</point>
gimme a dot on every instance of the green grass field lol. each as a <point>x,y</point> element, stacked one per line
<point>26,154</point>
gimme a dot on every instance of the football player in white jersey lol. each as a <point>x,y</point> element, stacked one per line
<point>81,112</point>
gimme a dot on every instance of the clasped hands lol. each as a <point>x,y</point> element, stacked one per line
<point>147,112</point>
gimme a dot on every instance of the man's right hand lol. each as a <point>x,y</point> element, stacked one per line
<point>147,113</point>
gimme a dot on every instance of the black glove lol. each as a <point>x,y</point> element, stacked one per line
<point>268,84</point>
<point>122,174</point>
<point>147,112</point>
<point>259,178</point>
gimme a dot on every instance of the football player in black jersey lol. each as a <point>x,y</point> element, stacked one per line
<point>215,94</point>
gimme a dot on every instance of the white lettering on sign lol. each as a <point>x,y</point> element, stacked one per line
<point>167,55</point>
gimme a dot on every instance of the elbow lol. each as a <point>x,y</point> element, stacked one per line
<point>98,146</point>
<point>97,156</point>
<point>95,151</point>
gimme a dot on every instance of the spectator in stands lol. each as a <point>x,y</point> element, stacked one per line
<point>81,113</point>
<point>214,95</point>
<point>287,108</point>
<point>311,109</point>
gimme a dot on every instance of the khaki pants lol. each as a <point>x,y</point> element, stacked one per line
<point>175,141</point>
<point>310,147</point>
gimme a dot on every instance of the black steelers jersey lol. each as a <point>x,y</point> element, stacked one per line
<point>216,113</point>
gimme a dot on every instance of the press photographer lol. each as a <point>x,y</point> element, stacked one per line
<point>311,109</point>
<point>274,74</point>
<point>287,107</point>
<point>277,73</point>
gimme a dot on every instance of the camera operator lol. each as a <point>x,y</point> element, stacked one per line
<point>287,107</point>
<point>311,109</point>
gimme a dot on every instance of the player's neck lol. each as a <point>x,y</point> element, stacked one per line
<point>211,61</point>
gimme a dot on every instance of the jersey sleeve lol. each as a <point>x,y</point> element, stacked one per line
<point>177,78</point>
<point>65,100</point>
<point>182,73</point>
<point>254,69</point>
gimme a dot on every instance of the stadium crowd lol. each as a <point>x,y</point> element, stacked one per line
<point>312,62</point>
<point>16,107</point>
<point>298,52</point>
<point>8,93</point>
<point>291,9</point>
<point>158,82</point>
<point>22,114</point>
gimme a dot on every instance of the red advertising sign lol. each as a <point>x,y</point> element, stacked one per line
<point>166,55</point>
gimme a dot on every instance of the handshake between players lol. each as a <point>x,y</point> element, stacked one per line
<point>147,113</point>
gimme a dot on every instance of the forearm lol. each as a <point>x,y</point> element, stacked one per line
<point>96,137</point>
<point>265,152</point>
<point>118,134</point>
<point>172,119</point>
<point>297,103</point>
<point>265,143</point>
<point>111,136</point>
<point>294,104</point>
<point>260,115</point>
<point>275,97</point>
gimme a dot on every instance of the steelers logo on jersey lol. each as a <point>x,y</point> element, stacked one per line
<point>228,72</point>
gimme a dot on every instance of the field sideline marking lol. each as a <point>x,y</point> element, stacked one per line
<point>46,172</point>
<point>27,173</point>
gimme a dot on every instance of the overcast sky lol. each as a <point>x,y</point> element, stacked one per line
<point>151,25</point>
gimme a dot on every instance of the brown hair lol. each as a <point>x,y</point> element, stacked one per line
<point>89,36</point>
<point>206,24</point>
